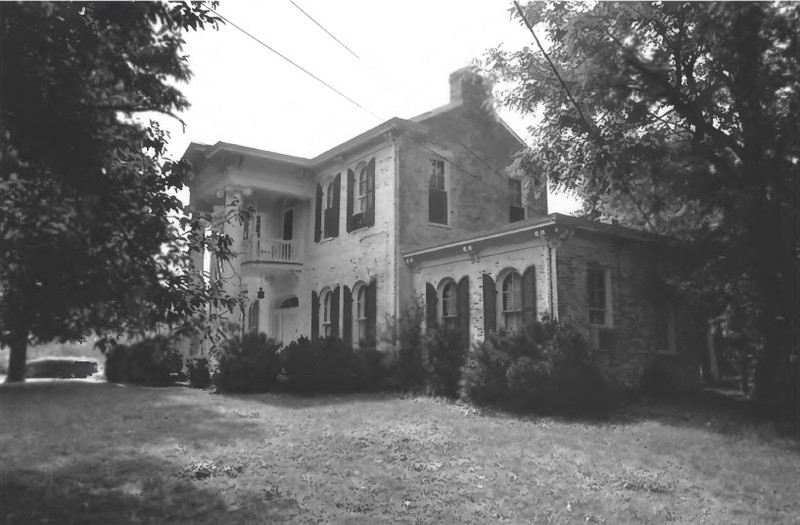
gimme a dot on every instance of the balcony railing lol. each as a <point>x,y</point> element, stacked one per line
<point>271,250</point>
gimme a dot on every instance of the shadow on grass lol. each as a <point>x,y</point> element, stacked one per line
<point>303,401</point>
<point>136,489</point>
<point>98,453</point>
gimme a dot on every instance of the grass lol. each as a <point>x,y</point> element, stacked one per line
<point>98,453</point>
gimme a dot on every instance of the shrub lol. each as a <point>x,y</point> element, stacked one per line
<point>328,365</point>
<point>657,382</point>
<point>444,353</point>
<point>403,362</point>
<point>248,364</point>
<point>152,362</point>
<point>543,367</point>
<point>199,373</point>
<point>369,370</point>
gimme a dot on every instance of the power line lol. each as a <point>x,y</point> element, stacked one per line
<point>409,137</point>
<point>467,148</point>
<point>323,28</point>
<point>292,62</point>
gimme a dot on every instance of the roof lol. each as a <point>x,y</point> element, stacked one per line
<point>206,151</point>
<point>531,225</point>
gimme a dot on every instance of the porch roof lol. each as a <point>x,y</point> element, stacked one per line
<point>502,233</point>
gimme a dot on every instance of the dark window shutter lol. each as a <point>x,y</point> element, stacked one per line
<point>318,215</point>
<point>371,308</point>
<point>462,308</point>
<point>351,188</point>
<point>430,304</point>
<point>369,218</point>
<point>314,315</point>
<point>347,316</point>
<point>489,304</point>
<point>335,312</point>
<point>337,190</point>
<point>437,206</point>
<point>516,213</point>
<point>529,296</point>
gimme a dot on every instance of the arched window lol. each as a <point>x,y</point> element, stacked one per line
<point>252,317</point>
<point>326,317</point>
<point>511,301</point>
<point>291,302</point>
<point>361,189</point>
<point>449,311</point>
<point>360,317</point>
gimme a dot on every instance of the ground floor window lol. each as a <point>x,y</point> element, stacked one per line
<point>252,317</point>
<point>511,302</point>
<point>327,325</point>
<point>449,308</point>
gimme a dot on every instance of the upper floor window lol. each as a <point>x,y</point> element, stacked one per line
<point>598,284</point>
<point>361,196</point>
<point>326,219</point>
<point>437,193</point>
<point>516,209</point>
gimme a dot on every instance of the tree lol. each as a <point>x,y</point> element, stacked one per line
<point>93,237</point>
<point>680,118</point>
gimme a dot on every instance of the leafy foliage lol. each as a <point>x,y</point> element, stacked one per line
<point>198,371</point>
<point>248,364</point>
<point>94,238</point>
<point>443,354</point>
<point>543,367</point>
<point>685,125</point>
<point>151,362</point>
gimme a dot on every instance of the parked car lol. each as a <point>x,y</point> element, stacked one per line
<point>61,367</point>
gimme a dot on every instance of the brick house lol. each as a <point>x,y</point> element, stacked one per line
<point>424,209</point>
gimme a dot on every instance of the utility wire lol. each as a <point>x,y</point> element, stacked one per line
<point>589,126</point>
<point>467,148</point>
<point>323,28</point>
<point>292,62</point>
<point>409,137</point>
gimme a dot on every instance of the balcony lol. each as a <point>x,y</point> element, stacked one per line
<point>271,251</point>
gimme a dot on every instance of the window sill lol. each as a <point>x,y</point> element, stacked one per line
<point>326,239</point>
<point>438,225</point>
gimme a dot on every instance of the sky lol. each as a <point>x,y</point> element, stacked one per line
<point>245,94</point>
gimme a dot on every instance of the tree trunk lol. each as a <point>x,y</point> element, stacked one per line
<point>16,359</point>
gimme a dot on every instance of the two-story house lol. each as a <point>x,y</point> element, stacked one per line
<point>425,209</point>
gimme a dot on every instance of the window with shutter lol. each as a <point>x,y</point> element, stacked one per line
<point>489,304</point>
<point>596,285</point>
<point>314,315</point>
<point>371,312</point>
<point>369,210</point>
<point>347,316</point>
<point>511,301</point>
<point>335,296</point>
<point>318,214</point>
<point>330,215</point>
<point>437,193</point>
<point>449,310</point>
<point>516,209</point>
<point>529,296</point>
<point>430,305</point>
<point>462,309</point>
<point>326,330</point>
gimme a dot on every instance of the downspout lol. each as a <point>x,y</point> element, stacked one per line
<point>553,281</point>
<point>398,260</point>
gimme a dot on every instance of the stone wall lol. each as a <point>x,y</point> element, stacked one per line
<point>631,266</point>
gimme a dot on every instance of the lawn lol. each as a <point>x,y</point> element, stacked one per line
<point>73,452</point>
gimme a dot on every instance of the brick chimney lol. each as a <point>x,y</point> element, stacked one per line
<point>467,85</point>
